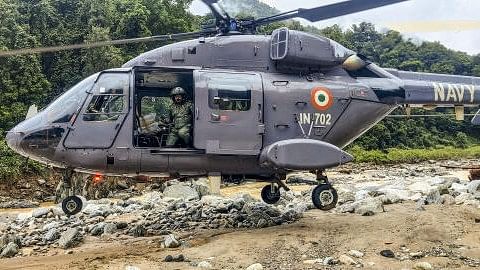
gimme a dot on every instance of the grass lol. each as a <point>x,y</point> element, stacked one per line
<point>394,155</point>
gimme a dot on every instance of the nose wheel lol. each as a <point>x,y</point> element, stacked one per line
<point>72,205</point>
<point>270,194</point>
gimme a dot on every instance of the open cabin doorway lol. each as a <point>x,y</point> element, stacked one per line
<point>157,121</point>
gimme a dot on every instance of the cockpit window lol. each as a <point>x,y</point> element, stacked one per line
<point>64,107</point>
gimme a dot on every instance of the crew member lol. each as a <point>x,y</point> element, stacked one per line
<point>180,118</point>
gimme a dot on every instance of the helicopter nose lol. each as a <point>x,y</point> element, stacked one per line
<point>13,139</point>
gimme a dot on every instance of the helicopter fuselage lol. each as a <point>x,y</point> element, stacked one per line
<point>262,104</point>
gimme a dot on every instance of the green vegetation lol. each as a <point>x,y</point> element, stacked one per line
<point>38,79</point>
<point>394,155</point>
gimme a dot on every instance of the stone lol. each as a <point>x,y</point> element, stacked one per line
<point>313,261</point>
<point>130,267</point>
<point>362,195</point>
<point>329,261</point>
<point>395,195</point>
<point>433,197</point>
<point>474,187</point>
<point>52,235</point>
<point>355,253</point>
<point>41,182</point>
<point>369,206</point>
<point>10,250</point>
<point>70,238</point>
<point>181,191</point>
<point>40,212</point>
<point>423,266</point>
<point>255,266</point>
<point>448,199</point>
<point>387,253</point>
<point>462,198</point>
<point>178,258</point>
<point>344,259</point>
<point>171,242</point>
<point>109,228</point>
<point>459,188</point>
<point>168,258</point>
<point>204,265</point>
<point>97,229</point>
<point>9,238</point>
<point>138,231</point>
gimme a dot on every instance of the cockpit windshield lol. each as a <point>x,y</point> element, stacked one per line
<point>63,108</point>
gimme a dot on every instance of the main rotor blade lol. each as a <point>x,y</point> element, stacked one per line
<point>104,43</point>
<point>329,11</point>
<point>217,11</point>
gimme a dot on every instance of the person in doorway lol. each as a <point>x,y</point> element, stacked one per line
<point>180,118</point>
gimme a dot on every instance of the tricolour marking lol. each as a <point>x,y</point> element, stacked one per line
<point>321,98</point>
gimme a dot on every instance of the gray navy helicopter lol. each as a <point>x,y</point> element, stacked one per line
<point>263,105</point>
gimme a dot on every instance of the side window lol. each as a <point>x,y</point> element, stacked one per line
<point>230,92</point>
<point>109,99</point>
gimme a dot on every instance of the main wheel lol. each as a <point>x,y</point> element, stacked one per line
<point>72,205</point>
<point>270,194</point>
<point>324,197</point>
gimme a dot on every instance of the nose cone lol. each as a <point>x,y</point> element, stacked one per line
<point>13,141</point>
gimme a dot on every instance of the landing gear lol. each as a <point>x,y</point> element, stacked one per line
<point>271,194</point>
<point>324,196</point>
<point>72,204</point>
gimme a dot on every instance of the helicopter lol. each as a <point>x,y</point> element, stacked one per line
<point>263,105</point>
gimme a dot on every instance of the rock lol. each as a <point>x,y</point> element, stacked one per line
<point>109,228</point>
<point>362,195</point>
<point>138,231</point>
<point>474,187</point>
<point>41,182</point>
<point>204,265</point>
<point>97,229</point>
<point>458,188</point>
<point>20,203</point>
<point>9,238</point>
<point>40,212</point>
<point>52,235</point>
<point>255,266</point>
<point>130,267</point>
<point>387,253</point>
<point>462,198</point>
<point>344,259</point>
<point>395,195</point>
<point>369,206</point>
<point>355,253</point>
<point>181,191</point>
<point>202,186</point>
<point>423,266</point>
<point>448,199</point>
<point>178,258</point>
<point>313,261</point>
<point>329,261</point>
<point>70,238</point>
<point>433,197</point>
<point>421,186</point>
<point>416,255</point>
<point>168,258</point>
<point>171,241</point>
<point>10,250</point>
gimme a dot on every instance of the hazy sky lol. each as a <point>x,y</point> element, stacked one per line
<point>455,23</point>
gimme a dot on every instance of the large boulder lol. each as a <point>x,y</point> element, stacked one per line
<point>40,212</point>
<point>458,188</point>
<point>369,206</point>
<point>10,250</point>
<point>171,241</point>
<point>181,191</point>
<point>395,195</point>
<point>474,188</point>
<point>70,238</point>
<point>52,235</point>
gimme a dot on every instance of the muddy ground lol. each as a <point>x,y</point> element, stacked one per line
<point>447,235</point>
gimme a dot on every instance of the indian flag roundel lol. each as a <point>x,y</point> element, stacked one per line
<point>321,98</point>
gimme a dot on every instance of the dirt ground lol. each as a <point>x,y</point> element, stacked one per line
<point>452,230</point>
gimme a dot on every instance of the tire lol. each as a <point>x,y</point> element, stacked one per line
<point>269,195</point>
<point>72,205</point>
<point>324,197</point>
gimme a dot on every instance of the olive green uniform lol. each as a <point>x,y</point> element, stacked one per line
<point>181,118</point>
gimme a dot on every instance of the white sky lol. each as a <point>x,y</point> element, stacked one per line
<point>456,23</point>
